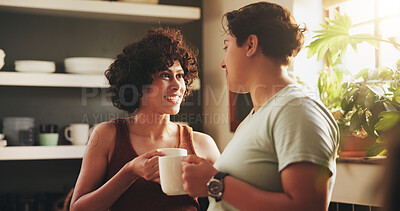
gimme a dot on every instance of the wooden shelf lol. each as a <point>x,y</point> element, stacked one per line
<point>52,80</point>
<point>152,13</point>
<point>60,80</point>
<point>41,152</point>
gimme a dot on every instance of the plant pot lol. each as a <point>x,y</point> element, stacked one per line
<point>352,146</point>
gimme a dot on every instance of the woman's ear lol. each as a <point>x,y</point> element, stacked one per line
<point>252,43</point>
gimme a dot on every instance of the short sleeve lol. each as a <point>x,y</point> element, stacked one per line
<point>304,131</point>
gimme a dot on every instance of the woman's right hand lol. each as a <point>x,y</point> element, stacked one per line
<point>146,165</point>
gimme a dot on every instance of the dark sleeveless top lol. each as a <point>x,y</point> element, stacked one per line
<point>142,194</point>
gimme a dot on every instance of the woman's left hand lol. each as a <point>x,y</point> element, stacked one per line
<point>196,173</point>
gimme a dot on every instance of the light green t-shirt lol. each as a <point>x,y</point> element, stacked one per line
<point>290,127</point>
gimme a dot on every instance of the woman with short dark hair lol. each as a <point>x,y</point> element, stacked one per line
<point>282,155</point>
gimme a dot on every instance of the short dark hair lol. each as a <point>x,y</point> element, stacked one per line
<point>136,65</point>
<point>278,34</point>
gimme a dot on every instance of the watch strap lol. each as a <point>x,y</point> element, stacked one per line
<point>220,176</point>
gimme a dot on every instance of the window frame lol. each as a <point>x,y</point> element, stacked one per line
<point>331,5</point>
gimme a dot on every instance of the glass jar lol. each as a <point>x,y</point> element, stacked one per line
<point>19,131</point>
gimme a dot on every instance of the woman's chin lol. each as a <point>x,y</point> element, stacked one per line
<point>173,111</point>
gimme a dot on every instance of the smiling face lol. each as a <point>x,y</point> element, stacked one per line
<point>165,94</point>
<point>234,63</point>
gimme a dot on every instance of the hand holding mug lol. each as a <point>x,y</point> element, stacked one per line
<point>146,165</point>
<point>196,173</point>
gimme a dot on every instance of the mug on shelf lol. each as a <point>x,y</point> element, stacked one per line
<point>48,139</point>
<point>77,134</point>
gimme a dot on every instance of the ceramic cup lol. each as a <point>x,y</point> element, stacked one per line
<point>48,139</point>
<point>170,167</point>
<point>77,134</point>
<point>173,151</point>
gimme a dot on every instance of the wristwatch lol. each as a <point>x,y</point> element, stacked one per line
<point>216,186</point>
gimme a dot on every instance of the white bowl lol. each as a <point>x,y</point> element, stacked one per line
<point>35,66</point>
<point>87,65</point>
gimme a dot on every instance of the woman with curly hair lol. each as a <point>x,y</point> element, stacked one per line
<point>149,79</point>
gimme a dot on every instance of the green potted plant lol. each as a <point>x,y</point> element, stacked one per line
<point>357,102</point>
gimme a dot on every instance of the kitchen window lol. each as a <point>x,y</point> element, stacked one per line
<point>380,18</point>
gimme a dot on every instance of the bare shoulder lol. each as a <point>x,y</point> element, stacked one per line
<point>202,137</point>
<point>94,164</point>
<point>105,129</point>
<point>205,146</point>
<point>103,136</point>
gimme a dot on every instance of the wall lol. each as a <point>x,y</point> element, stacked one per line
<point>54,38</point>
<point>308,13</point>
<point>40,37</point>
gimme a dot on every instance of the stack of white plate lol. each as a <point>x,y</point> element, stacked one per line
<point>141,1</point>
<point>35,66</point>
<point>87,65</point>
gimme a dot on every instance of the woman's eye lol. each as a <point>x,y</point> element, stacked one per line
<point>180,75</point>
<point>165,75</point>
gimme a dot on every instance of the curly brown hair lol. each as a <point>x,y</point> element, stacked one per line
<point>136,66</point>
<point>278,34</point>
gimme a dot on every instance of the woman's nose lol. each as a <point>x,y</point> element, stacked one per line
<point>175,85</point>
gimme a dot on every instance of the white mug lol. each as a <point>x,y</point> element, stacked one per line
<point>173,151</point>
<point>170,168</point>
<point>77,134</point>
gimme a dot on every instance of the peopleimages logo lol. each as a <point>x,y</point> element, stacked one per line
<point>187,118</point>
<point>210,97</point>
<point>207,96</point>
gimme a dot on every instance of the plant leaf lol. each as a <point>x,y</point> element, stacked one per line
<point>384,152</point>
<point>389,106</point>
<point>387,120</point>
<point>376,110</point>
<point>332,40</point>
<point>355,122</point>
<point>369,38</point>
<point>367,128</point>
<point>375,149</point>
<point>347,102</point>
<point>380,140</point>
<point>377,90</point>
<point>363,73</point>
<point>359,97</point>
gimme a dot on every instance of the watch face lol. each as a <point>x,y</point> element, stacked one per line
<point>215,188</point>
